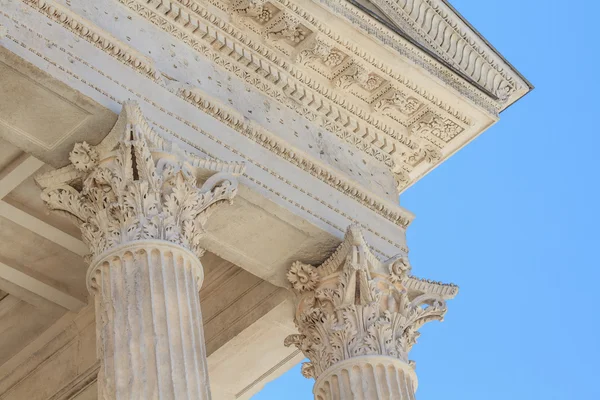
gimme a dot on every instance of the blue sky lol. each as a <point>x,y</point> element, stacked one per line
<point>513,220</point>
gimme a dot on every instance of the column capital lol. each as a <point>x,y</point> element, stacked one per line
<point>355,305</point>
<point>135,185</point>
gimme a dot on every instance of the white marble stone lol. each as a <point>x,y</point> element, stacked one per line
<point>142,214</point>
<point>358,318</point>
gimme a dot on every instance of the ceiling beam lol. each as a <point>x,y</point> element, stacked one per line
<point>44,290</point>
<point>19,170</point>
<point>42,228</point>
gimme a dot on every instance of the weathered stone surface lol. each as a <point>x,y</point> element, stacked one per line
<point>358,318</point>
<point>142,213</point>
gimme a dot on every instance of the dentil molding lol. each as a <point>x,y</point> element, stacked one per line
<point>227,115</point>
<point>384,117</point>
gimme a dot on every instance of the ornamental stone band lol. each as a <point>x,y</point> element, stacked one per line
<point>358,319</point>
<point>141,211</point>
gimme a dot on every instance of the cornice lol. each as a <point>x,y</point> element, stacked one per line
<point>236,121</point>
<point>266,71</point>
<point>364,55</point>
<point>271,142</point>
<point>272,68</point>
<point>262,66</point>
<point>481,73</point>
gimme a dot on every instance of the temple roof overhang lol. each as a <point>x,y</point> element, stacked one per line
<point>442,33</point>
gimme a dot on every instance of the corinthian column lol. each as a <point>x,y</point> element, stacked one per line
<point>142,204</point>
<point>358,318</point>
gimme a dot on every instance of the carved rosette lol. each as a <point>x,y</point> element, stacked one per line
<point>135,186</point>
<point>353,306</point>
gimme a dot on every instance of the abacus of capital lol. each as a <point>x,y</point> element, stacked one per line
<point>196,196</point>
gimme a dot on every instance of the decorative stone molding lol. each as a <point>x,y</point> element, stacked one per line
<point>294,156</point>
<point>397,100</point>
<point>353,305</point>
<point>432,126</point>
<point>190,22</point>
<point>434,26</point>
<point>474,67</point>
<point>135,186</point>
<point>99,38</point>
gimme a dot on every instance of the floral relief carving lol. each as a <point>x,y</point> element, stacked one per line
<point>396,100</point>
<point>83,157</point>
<point>286,29</point>
<point>436,126</point>
<point>258,10</point>
<point>361,306</point>
<point>323,52</point>
<point>504,92</point>
<point>426,153</point>
<point>134,186</point>
<point>303,277</point>
<point>249,8</point>
<point>359,76</point>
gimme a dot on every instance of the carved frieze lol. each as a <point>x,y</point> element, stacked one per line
<point>379,112</point>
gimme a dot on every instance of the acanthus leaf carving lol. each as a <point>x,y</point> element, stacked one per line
<point>286,28</point>
<point>249,8</point>
<point>360,306</point>
<point>323,52</point>
<point>396,100</point>
<point>426,153</point>
<point>356,75</point>
<point>135,186</point>
<point>436,126</point>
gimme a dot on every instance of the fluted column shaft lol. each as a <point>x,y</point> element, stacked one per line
<point>150,338</point>
<point>367,378</point>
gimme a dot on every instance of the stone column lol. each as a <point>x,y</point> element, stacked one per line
<point>142,204</point>
<point>358,318</point>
